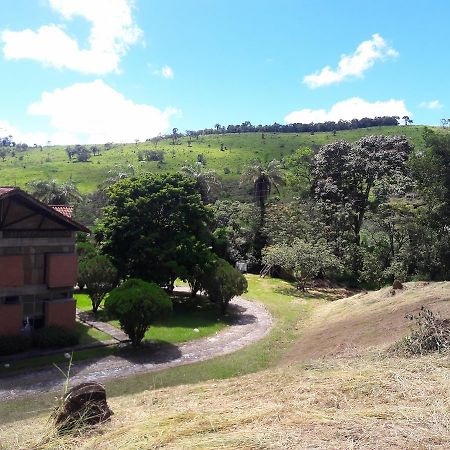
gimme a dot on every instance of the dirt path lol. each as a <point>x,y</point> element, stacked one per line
<point>253,323</point>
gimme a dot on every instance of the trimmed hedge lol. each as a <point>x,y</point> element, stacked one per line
<point>14,344</point>
<point>55,337</point>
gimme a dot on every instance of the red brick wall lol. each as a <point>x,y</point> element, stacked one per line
<point>61,270</point>
<point>61,313</point>
<point>11,317</point>
<point>11,271</point>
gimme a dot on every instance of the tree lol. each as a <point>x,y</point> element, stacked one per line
<point>444,123</point>
<point>206,181</point>
<point>54,193</point>
<point>100,276</point>
<point>222,282</point>
<point>174,135</point>
<point>304,260</point>
<point>147,224</point>
<point>345,174</point>
<point>263,179</point>
<point>407,120</point>
<point>137,304</point>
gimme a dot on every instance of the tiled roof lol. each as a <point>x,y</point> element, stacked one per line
<point>6,189</point>
<point>63,209</point>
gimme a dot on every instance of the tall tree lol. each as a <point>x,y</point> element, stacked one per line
<point>345,175</point>
<point>149,223</point>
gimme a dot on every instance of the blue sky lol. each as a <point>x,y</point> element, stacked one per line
<point>118,70</point>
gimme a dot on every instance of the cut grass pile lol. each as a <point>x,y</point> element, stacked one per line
<point>371,402</point>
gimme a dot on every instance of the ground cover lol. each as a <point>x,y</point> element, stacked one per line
<point>363,399</point>
<point>189,320</point>
<point>88,335</point>
<point>284,302</point>
<point>52,162</point>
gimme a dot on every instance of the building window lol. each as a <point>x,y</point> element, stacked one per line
<point>12,300</point>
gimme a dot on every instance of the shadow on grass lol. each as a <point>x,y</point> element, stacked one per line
<point>329,294</point>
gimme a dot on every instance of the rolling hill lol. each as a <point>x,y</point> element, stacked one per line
<point>238,150</point>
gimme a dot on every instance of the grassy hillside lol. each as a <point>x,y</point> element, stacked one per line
<point>52,162</point>
<point>363,399</point>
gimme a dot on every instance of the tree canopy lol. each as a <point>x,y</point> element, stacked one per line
<point>149,222</point>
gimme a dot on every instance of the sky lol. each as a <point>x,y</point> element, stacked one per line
<point>94,71</point>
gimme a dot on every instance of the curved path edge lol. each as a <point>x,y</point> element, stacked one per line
<point>252,324</point>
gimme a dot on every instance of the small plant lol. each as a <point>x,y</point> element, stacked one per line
<point>432,334</point>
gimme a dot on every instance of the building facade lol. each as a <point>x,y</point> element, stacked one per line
<point>38,263</point>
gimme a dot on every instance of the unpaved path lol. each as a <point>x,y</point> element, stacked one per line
<point>253,323</point>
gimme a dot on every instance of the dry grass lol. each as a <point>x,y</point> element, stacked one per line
<point>353,399</point>
<point>361,402</point>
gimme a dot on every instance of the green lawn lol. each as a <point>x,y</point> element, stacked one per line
<point>88,335</point>
<point>180,326</point>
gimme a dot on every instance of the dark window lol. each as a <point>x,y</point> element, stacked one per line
<point>12,300</point>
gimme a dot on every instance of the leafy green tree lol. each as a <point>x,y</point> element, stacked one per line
<point>137,304</point>
<point>222,282</point>
<point>235,227</point>
<point>148,224</point>
<point>99,275</point>
<point>299,173</point>
<point>304,260</point>
<point>345,175</point>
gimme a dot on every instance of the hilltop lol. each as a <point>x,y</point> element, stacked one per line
<point>238,150</point>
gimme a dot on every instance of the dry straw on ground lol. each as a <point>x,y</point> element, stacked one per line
<point>361,402</point>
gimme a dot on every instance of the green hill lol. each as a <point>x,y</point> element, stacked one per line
<point>53,162</point>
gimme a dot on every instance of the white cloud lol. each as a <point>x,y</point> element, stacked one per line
<point>353,108</point>
<point>165,72</point>
<point>432,104</point>
<point>354,65</point>
<point>112,31</point>
<point>96,113</point>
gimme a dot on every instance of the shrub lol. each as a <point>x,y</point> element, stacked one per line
<point>432,334</point>
<point>14,344</point>
<point>137,304</point>
<point>222,282</point>
<point>55,337</point>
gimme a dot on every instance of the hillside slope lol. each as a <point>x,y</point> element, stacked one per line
<point>238,150</point>
<point>366,320</point>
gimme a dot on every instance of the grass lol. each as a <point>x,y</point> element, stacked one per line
<point>187,322</point>
<point>289,311</point>
<point>52,162</point>
<point>368,401</point>
<point>88,335</point>
<point>360,403</point>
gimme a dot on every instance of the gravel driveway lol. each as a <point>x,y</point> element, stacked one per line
<point>253,323</point>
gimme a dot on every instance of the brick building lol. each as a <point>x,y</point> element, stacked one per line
<point>38,263</point>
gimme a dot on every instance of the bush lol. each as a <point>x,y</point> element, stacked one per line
<point>222,282</point>
<point>432,334</point>
<point>137,304</point>
<point>14,344</point>
<point>55,337</point>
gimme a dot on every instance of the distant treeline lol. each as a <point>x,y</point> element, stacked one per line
<point>329,126</point>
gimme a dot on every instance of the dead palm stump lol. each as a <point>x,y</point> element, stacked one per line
<point>83,405</point>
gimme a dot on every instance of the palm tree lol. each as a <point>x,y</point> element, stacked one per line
<point>263,179</point>
<point>206,180</point>
<point>54,193</point>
